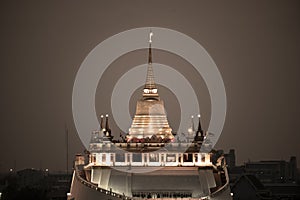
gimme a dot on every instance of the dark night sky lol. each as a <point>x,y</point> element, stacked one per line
<point>255,45</point>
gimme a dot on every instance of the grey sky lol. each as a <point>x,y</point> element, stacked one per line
<point>255,45</point>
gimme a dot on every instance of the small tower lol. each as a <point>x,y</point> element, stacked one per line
<point>107,131</point>
<point>199,131</point>
<point>191,130</point>
<point>192,127</point>
<point>101,123</point>
<point>150,90</point>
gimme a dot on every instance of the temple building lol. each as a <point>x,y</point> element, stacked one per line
<point>150,121</point>
<point>150,163</point>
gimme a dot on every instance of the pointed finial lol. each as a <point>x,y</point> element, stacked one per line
<point>150,36</point>
<point>101,123</point>
<point>106,123</point>
<point>192,124</point>
<point>107,128</point>
<point>199,126</point>
<point>150,90</point>
<point>150,53</point>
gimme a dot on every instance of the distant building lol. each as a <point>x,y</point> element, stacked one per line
<point>248,187</point>
<point>273,171</point>
<point>273,179</point>
<point>34,184</point>
<point>230,158</point>
<point>59,185</point>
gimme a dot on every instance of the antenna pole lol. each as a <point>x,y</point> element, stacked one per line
<point>67,148</point>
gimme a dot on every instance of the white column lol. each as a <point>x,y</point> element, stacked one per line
<point>207,158</point>
<point>162,158</point>
<point>107,161</point>
<point>126,158</point>
<point>194,158</point>
<point>181,159</point>
<point>143,159</point>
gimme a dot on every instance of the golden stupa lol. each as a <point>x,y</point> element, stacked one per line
<point>150,121</point>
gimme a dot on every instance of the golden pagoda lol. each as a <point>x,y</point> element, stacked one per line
<point>150,121</point>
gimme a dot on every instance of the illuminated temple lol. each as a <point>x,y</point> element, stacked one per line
<point>150,120</point>
<point>150,162</point>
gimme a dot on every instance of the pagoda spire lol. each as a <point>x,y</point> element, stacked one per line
<point>191,129</point>
<point>106,123</point>
<point>150,89</point>
<point>192,123</point>
<point>199,131</point>
<point>150,121</point>
<point>101,123</point>
<point>150,50</point>
<point>199,126</point>
<point>107,129</point>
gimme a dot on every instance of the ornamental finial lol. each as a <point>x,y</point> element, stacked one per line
<point>150,36</point>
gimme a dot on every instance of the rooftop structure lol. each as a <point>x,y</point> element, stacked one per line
<point>150,120</point>
<point>149,161</point>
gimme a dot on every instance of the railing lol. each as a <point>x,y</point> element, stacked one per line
<point>92,186</point>
<point>226,185</point>
<point>107,192</point>
<point>142,145</point>
<point>151,164</point>
<point>122,196</point>
<point>144,159</point>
